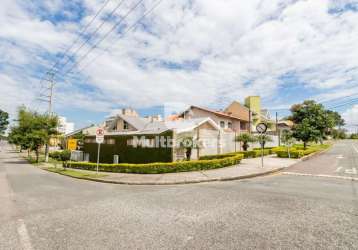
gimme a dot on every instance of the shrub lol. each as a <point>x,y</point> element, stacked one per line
<point>220,156</point>
<point>64,155</point>
<point>247,154</point>
<point>297,151</point>
<point>159,168</point>
<point>294,153</point>
<point>55,155</point>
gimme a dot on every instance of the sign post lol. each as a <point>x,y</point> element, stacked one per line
<point>99,140</point>
<point>261,128</point>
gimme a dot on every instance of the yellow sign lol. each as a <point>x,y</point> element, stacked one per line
<point>72,144</point>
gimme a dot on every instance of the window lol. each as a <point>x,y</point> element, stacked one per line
<point>125,125</point>
<point>110,141</point>
<point>222,124</point>
<point>90,140</point>
<point>243,126</point>
<point>229,125</point>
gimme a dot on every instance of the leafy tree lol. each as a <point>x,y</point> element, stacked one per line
<point>312,121</point>
<point>4,121</point>
<point>33,130</point>
<point>245,138</point>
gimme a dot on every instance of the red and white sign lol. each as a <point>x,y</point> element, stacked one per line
<point>99,135</point>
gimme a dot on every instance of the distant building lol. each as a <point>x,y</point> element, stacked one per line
<point>65,127</point>
<point>258,115</point>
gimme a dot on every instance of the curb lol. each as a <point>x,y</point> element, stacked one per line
<point>305,158</point>
<point>174,182</point>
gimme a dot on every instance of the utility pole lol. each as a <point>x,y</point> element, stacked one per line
<point>277,131</point>
<point>48,97</point>
<point>250,121</point>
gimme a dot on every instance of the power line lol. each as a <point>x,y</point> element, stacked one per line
<point>130,28</point>
<point>80,35</point>
<point>104,37</point>
<point>344,104</point>
<point>99,27</point>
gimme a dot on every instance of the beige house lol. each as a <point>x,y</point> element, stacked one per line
<point>234,119</point>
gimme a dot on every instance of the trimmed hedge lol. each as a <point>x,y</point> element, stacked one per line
<point>298,151</point>
<point>64,155</point>
<point>246,154</point>
<point>159,168</point>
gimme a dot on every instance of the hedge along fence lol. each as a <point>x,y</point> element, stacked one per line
<point>298,151</point>
<point>246,154</point>
<point>159,168</point>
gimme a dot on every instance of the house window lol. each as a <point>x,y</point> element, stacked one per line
<point>110,141</point>
<point>243,126</point>
<point>229,125</point>
<point>125,125</point>
<point>222,124</point>
<point>90,140</point>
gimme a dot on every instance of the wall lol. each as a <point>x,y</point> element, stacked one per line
<point>127,153</point>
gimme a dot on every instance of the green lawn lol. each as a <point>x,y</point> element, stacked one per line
<point>74,173</point>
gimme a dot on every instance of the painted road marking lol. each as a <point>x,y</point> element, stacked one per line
<point>322,175</point>
<point>354,147</point>
<point>24,235</point>
<point>351,171</point>
<point>340,157</point>
<point>338,170</point>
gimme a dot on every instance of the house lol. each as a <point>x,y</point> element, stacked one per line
<point>228,121</point>
<point>133,139</point>
<point>258,115</point>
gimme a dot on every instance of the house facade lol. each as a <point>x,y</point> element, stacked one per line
<point>134,139</point>
<point>225,120</point>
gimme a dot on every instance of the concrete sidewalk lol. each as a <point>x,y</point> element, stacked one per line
<point>246,169</point>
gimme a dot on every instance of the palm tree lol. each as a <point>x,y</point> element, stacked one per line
<point>245,139</point>
<point>188,143</point>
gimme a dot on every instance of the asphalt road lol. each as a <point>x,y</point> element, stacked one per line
<point>41,210</point>
<point>340,161</point>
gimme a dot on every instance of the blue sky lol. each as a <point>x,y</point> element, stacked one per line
<point>201,52</point>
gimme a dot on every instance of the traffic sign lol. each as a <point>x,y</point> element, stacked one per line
<point>100,135</point>
<point>261,128</point>
<point>99,140</point>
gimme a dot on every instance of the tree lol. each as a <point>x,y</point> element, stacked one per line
<point>312,121</point>
<point>33,130</point>
<point>288,140</point>
<point>188,143</point>
<point>339,134</point>
<point>245,138</point>
<point>4,121</point>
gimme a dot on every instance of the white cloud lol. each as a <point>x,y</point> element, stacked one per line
<point>237,48</point>
<point>351,118</point>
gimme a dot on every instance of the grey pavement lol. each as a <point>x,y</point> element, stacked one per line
<point>339,161</point>
<point>247,168</point>
<point>42,210</point>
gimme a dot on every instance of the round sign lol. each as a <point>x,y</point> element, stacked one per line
<point>100,132</point>
<point>261,128</point>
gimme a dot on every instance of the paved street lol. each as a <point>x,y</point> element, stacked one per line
<point>42,210</point>
<point>340,161</point>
